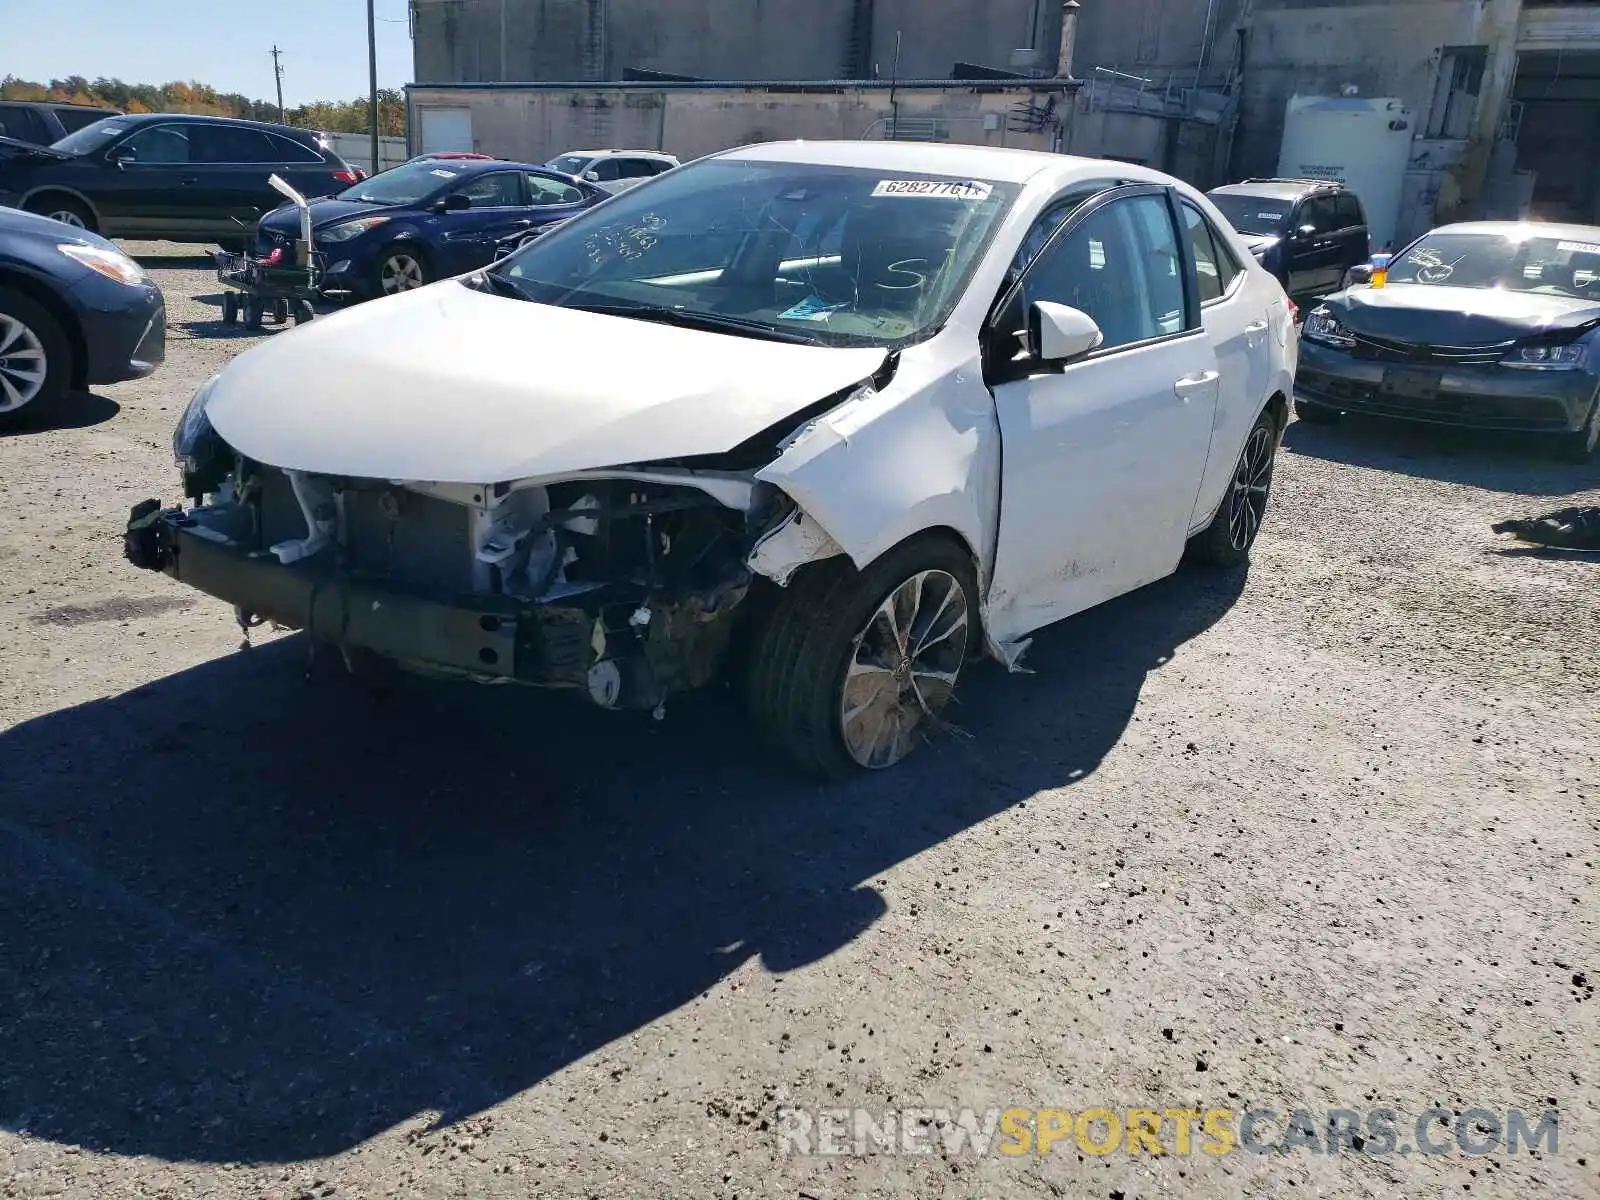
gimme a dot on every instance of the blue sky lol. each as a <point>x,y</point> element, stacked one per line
<point>220,42</point>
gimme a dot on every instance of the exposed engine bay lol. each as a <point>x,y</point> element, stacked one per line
<point>621,583</point>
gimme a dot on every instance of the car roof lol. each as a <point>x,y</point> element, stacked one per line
<point>1283,189</point>
<point>265,126</point>
<point>482,166</point>
<point>1000,164</point>
<point>1589,234</point>
<point>613,154</point>
<point>81,105</point>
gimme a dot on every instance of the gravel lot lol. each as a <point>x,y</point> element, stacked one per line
<point>1321,837</point>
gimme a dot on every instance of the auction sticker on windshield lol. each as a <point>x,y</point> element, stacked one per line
<point>949,189</point>
<point>1578,247</point>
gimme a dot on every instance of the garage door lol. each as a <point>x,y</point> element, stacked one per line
<point>446,129</point>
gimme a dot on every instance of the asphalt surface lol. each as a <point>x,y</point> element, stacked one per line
<point>1321,835</point>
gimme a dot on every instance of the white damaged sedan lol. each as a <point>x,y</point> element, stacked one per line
<point>841,417</point>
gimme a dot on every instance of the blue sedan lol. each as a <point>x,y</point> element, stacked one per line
<point>74,311</point>
<point>427,220</point>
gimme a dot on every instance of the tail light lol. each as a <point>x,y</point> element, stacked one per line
<point>350,175</point>
<point>1294,313</point>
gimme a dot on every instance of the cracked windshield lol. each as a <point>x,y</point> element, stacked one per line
<point>833,255</point>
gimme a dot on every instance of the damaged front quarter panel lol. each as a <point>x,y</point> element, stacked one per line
<point>921,454</point>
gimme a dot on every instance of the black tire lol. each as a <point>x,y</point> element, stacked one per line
<point>1313,413</point>
<point>65,209</point>
<point>1579,447</point>
<point>280,312</point>
<point>230,308</point>
<point>1226,542</point>
<point>796,675</point>
<point>303,312</point>
<point>254,312</point>
<point>27,325</point>
<point>393,262</point>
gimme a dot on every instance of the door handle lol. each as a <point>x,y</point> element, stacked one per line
<point>189,180</point>
<point>1191,384</point>
<point>1254,332</point>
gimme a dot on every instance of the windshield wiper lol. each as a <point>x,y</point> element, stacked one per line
<point>718,322</point>
<point>502,285</point>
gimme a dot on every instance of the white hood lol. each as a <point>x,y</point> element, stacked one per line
<point>451,385</point>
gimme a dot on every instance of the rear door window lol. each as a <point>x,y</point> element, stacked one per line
<point>606,170</point>
<point>74,119</point>
<point>231,144</point>
<point>24,124</point>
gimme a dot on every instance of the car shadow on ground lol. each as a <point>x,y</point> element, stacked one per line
<point>1501,462</point>
<point>75,410</point>
<point>200,260</point>
<point>248,917</point>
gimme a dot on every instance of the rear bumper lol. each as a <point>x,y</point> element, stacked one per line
<point>1471,397</point>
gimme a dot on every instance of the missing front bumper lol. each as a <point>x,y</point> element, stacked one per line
<point>569,643</point>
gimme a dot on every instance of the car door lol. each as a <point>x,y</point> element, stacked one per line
<point>1237,320</point>
<point>552,199</point>
<point>606,174</point>
<point>233,164</point>
<point>1316,257</point>
<point>1103,456</point>
<point>150,188</point>
<point>1356,244</point>
<point>498,208</point>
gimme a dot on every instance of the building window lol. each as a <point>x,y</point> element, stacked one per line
<point>1455,95</point>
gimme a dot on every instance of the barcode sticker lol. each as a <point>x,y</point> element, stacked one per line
<point>946,189</point>
<point>1578,247</point>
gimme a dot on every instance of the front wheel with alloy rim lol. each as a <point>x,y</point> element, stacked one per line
<point>853,668</point>
<point>35,357</point>
<point>1227,540</point>
<point>401,270</point>
<point>67,211</point>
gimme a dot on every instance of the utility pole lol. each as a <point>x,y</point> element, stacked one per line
<point>372,79</point>
<point>277,71</point>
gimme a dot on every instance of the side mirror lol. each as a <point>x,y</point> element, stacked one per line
<point>1305,233</point>
<point>1060,333</point>
<point>123,157</point>
<point>454,202</point>
<point>1362,273</point>
<point>592,176</point>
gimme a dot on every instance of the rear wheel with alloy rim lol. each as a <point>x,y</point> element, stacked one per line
<point>35,357</point>
<point>401,271</point>
<point>853,668</point>
<point>1226,542</point>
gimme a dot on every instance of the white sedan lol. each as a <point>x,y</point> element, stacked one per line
<point>840,417</point>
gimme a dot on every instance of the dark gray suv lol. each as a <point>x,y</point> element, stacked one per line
<point>41,122</point>
<point>1307,232</point>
